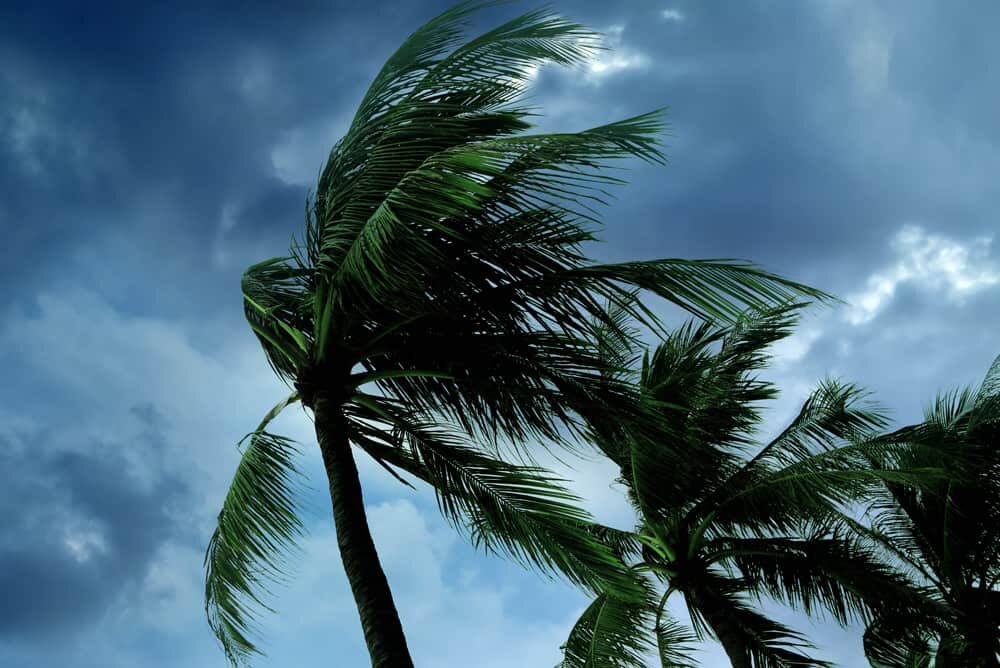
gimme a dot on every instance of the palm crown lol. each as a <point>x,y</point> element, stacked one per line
<point>947,534</point>
<point>441,301</point>
<point>724,520</point>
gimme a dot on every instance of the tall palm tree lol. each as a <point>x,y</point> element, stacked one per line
<point>723,520</point>
<point>440,305</point>
<point>947,534</point>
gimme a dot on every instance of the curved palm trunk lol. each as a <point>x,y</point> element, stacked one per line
<point>729,636</point>
<point>731,641</point>
<point>379,618</point>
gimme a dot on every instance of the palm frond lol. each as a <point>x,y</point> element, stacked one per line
<point>767,643</point>
<point>447,195</point>
<point>257,527</point>
<point>835,412</point>
<point>520,511</point>
<point>827,456</point>
<point>674,643</point>
<point>712,289</point>
<point>530,386</point>
<point>433,179</point>
<point>624,544</point>
<point>611,633</point>
<point>277,307</point>
<point>890,533</point>
<point>839,574</point>
<point>991,383</point>
<point>617,338</point>
<point>747,343</point>
<point>815,489</point>
<point>509,51</point>
<point>895,641</point>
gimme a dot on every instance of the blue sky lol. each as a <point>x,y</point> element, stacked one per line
<point>149,152</point>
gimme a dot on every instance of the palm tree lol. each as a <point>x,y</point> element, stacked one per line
<point>725,521</point>
<point>946,534</point>
<point>439,307</point>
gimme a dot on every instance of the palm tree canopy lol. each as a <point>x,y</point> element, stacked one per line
<point>724,519</point>
<point>441,297</point>
<point>947,533</point>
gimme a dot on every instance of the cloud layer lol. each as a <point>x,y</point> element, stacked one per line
<point>150,151</point>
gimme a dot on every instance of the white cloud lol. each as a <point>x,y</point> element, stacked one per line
<point>615,62</point>
<point>796,346</point>
<point>617,58</point>
<point>671,14</point>
<point>934,262</point>
<point>84,542</point>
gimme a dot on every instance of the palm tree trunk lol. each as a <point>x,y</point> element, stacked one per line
<point>729,636</point>
<point>733,643</point>
<point>379,618</point>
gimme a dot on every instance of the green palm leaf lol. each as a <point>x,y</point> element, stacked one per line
<point>611,633</point>
<point>276,306</point>
<point>764,642</point>
<point>674,643</point>
<point>520,511</point>
<point>834,573</point>
<point>257,527</point>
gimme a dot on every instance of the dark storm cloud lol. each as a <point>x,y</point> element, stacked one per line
<point>147,119</point>
<point>955,78</point>
<point>751,165</point>
<point>151,119</point>
<point>263,224</point>
<point>81,528</point>
<point>788,147</point>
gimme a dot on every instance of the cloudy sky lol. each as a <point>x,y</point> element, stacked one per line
<point>149,152</point>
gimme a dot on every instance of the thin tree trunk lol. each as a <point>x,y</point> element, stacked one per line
<point>379,618</point>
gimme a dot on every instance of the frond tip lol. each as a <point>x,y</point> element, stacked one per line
<point>257,526</point>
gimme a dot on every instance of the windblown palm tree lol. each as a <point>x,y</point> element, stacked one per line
<point>722,529</point>
<point>946,534</point>
<point>440,304</point>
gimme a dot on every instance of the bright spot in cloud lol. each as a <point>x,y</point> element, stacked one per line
<point>928,260</point>
<point>869,56</point>
<point>617,58</point>
<point>672,15</point>
<point>84,542</point>
<point>793,348</point>
<point>615,63</point>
